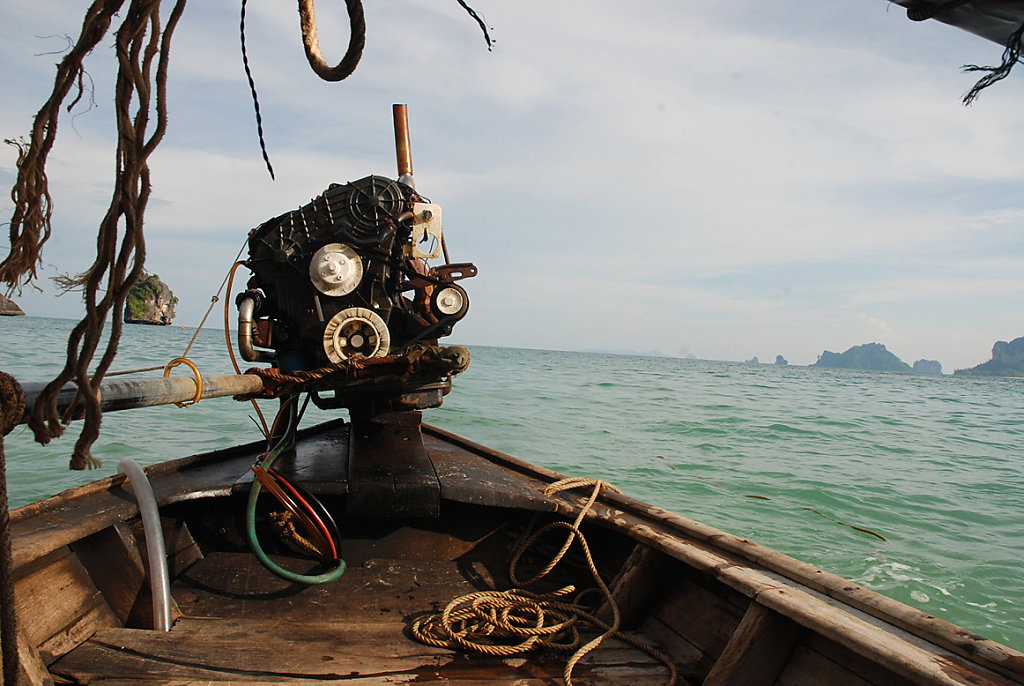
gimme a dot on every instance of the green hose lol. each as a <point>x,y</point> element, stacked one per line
<point>254,544</point>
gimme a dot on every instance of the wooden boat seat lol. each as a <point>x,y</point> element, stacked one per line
<point>243,625</point>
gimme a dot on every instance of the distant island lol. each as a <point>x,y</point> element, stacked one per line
<point>1007,360</point>
<point>869,357</point>
<point>9,308</point>
<point>875,358</point>
<point>150,301</point>
<point>780,360</point>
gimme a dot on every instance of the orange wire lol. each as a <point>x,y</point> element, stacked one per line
<point>231,352</point>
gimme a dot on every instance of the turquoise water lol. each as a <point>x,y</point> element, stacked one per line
<point>791,457</point>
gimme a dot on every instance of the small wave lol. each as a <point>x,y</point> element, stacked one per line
<point>786,428</point>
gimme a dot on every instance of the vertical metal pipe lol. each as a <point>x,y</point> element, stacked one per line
<point>403,150</point>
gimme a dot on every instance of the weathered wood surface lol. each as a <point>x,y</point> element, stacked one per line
<point>757,651</point>
<point>112,559</point>
<point>240,651</point>
<point>47,525</point>
<point>58,605</point>
<point>236,585</point>
<point>244,625</point>
<point>732,550</point>
<point>847,634</point>
<point>390,473</point>
<point>466,478</point>
<point>900,651</point>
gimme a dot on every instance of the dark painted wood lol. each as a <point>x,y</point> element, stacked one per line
<point>389,471</point>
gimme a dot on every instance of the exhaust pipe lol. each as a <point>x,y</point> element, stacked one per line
<point>403,150</point>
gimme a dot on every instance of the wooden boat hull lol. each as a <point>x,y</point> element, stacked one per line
<point>726,610</point>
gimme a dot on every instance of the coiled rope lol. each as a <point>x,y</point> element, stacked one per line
<point>509,622</point>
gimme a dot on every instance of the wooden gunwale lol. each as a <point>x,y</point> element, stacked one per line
<point>995,656</point>
<point>39,528</point>
<point>908,642</point>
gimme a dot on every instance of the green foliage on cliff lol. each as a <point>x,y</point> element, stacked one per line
<point>143,296</point>
<point>869,357</point>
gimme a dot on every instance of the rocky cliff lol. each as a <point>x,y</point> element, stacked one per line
<point>1007,360</point>
<point>927,367</point>
<point>150,301</point>
<point>8,307</point>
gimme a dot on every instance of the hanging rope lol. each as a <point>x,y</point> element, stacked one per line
<point>12,407</point>
<point>255,100</point>
<point>480,22</point>
<point>516,621</point>
<point>1011,55</point>
<point>356,41</point>
<point>142,51</point>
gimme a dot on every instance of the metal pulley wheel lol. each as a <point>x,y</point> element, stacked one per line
<point>449,300</point>
<point>356,332</point>
<point>335,269</point>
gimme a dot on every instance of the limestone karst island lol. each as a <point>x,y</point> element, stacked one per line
<point>150,301</point>
<point>874,357</point>
<point>1007,360</point>
<point>9,308</point>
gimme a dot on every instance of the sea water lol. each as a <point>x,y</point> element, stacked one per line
<point>910,485</point>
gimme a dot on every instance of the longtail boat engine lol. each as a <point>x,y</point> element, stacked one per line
<point>344,302</point>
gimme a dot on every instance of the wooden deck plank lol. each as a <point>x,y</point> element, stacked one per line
<point>235,584</point>
<point>247,651</point>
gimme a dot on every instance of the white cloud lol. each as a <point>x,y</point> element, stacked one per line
<point>669,171</point>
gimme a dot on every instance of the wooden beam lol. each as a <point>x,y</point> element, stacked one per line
<point>645,576</point>
<point>757,651</point>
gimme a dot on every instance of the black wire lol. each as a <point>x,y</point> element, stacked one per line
<point>255,100</point>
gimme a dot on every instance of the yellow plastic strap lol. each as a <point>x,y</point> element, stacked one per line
<point>195,370</point>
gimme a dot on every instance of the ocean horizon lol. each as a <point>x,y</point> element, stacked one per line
<point>909,484</point>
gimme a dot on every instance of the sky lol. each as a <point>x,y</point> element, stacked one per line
<point>722,180</point>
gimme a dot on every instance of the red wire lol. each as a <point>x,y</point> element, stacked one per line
<point>309,509</point>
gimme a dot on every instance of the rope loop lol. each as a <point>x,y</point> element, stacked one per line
<point>195,370</point>
<point>357,40</point>
<point>509,622</point>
